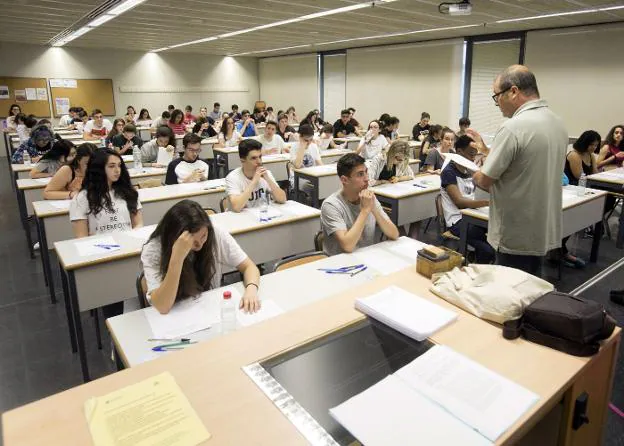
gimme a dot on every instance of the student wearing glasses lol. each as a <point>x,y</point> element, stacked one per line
<point>189,168</point>
<point>40,141</point>
<point>373,142</point>
<point>246,126</point>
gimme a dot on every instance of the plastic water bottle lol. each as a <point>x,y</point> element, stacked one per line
<point>228,313</point>
<point>26,158</point>
<point>582,185</point>
<point>136,155</point>
<point>264,207</point>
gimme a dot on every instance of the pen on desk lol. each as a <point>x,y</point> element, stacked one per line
<point>359,271</point>
<point>106,246</point>
<point>419,185</point>
<point>169,340</point>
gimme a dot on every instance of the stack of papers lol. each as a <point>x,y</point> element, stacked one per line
<point>405,312</point>
<point>441,397</point>
<point>460,160</point>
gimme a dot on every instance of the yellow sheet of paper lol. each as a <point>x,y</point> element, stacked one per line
<point>149,413</point>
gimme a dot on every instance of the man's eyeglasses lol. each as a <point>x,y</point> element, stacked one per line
<point>496,95</point>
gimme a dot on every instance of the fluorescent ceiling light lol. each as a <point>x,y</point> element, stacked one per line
<point>160,49</point>
<point>302,18</point>
<point>271,50</point>
<point>562,14</point>
<point>125,6</point>
<point>101,20</point>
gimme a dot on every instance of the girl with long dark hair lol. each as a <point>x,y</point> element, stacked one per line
<point>53,159</point>
<point>67,181</point>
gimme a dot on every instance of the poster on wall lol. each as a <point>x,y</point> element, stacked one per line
<point>4,92</point>
<point>56,83</point>
<point>31,94</point>
<point>70,83</point>
<point>20,96</point>
<point>62,106</point>
<point>42,94</point>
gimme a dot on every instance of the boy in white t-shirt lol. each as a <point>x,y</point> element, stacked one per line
<point>98,127</point>
<point>271,142</point>
<point>189,168</point>
<point>248,185</point>
<point>304,153</point>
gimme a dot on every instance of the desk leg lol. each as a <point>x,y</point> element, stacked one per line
<point>21,202</point>
<point>296,191</point>
<point>315,194</point>
<point>619,243</point>
<point>73,292</point>
<point>598,230</point>
<point>45,257</point>
<point>68,310</point>
<point>226,166</point>
<point>463,236</point>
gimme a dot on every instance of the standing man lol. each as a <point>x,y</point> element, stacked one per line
<point>523,173</point>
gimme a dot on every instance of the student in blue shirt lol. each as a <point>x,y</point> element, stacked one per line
<point>246,126</point>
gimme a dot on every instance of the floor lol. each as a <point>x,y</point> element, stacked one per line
<point>35,355</point>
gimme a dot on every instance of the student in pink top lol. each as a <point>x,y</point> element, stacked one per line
<point>176,122</point>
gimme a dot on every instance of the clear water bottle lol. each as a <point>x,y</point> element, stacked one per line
<point>26,158</point>
<point>582,185</point>
<point>228,313</point>
<point>136,155</point>
<point>264,207</point>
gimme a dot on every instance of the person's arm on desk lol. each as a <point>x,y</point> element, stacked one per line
<point>251,278</point>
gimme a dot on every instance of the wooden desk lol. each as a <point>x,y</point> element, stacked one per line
<point>87,280</point>
<point>236,412</point>
<point>131,331</point>
<point>611,181</point>
<point>53,225</point>
<point>578,214</point>
<point>410,201</point>
<point>352,142</point>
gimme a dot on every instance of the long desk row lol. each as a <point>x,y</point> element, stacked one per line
<point>611,181</point>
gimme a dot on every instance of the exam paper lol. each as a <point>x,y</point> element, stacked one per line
<point>150,412</point>
<point>99,245</point>
<point>406,247</point>
<point>268,310</point>
<point>142,233</point>
<point>482,399</point>
<point>185,317</point>
<point>164,156</point>
<point>42,180</point>
<point>381,261</point>
<point>458,159</point>
<point>59,204</point>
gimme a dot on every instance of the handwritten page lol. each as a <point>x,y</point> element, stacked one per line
<point>95,246</point>
<point>185,317</point>
<point>268,310</point>
<point>150,412</point>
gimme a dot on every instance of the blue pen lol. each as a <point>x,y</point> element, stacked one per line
<point>344,268</point>
<point>103,246</point>
<point>419,185</point>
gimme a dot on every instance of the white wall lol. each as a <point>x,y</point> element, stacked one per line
<point>405,81</point>
<point>334,86</point>
<point>580,72</point>
<point>289,80</point>
<point>145,70</point>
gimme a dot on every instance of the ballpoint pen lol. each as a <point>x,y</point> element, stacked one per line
<point>173,346</point>
<point>344,268</point>
<point>419,185</point>
<point>359,271</point>
<point>106,246</point>
<point>168,340</point>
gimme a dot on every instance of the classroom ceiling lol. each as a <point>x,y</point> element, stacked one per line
<point>158,23</point>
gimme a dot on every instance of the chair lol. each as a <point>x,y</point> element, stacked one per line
<point>319,238</point>
<point>297,260</point>
<point>443,231</point>
<point>141,287</point>
<point>223,204</point>
<point>209,211</point>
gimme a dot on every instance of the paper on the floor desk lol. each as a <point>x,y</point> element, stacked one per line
<point>59,204</point>
<point>89,248</point>
<point>185,317</point>
<point>484,400</point>
<point>381,261</point>
<point>268,310</point>
<point>391,413</point>
<point>272,213</point>
<point>407,313</point>
<point>42,180</point>
<point>406,247</point>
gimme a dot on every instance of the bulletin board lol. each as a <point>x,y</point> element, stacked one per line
<point>88,93</point>
<point>38,105</point>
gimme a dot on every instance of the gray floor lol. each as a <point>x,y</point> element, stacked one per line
<point>35,354</point>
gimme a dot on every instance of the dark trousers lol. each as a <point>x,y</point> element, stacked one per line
<point>477,238</point>
<point>528,264</point>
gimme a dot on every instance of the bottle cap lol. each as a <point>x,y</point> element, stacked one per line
<point>227,294</point>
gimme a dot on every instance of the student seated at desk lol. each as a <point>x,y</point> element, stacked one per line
<point>390,128</point>
<point>271,142</point>
<point>228,136</point>
<point>258,116</point>
<point>270,114</point>
<point>246,126</point>
<point>216,113</point>
<point>373,143</point>
<point>391,166</point>
<point>163,120</point>
<point>354,122</point>
<point>326,138</point>
<point>284,130</point>
<point>343,126</point>
<point>176,122</point>
<point>421,130</point>
<point>612,153</point>
<point>14,110</point>
<point>235,115</point>
<point>435,160</point>
<point>203,128</point>
<point>40,141</point>
<point>20,128</point>
<point>304,153</point>
<point>149,151</point>
<point>144,118</point>
<point>67,181</point>
<point>80,121</point>
<point>352,217</point>
<point>457,191</point>
<point>53,159</point>
<point>431,142</point>
<point>312,119</point>
<point>248,185</point>
<point>464,124</point>
<point>66,120</point>
<point>106,203</point>
<point>186,255</point>
<point>124,142</point>
<point>189,117</point>
<point>293,119</point>
<point>118,125</point>
<point>97,127</point>
<point>189,168</point>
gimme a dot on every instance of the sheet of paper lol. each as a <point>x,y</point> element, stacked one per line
<point>95,246</point>
<point>5,93</point>
<point>70,83</point>
<point>382,261</point>
<point>268,310</point>
<point>164,156</point>
<point>429,182</point>
<point>42,94</point>
<point>61,105</point>
<point>391,413</point>
<point>482,399</point>
<point>273,212</point>
<point>150,412</point>
<point>407,313</point>
<point>406,247</point>
<point>56,83</point>
<point>142,233</point>
<point>20,96</point>
<point>42,180</point>
<point>59,204</point>
<point>31,94</point>
<point>292,208</point>
<point>185,317</point>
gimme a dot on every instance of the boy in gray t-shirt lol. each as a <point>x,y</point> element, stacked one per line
<point>352,217</point>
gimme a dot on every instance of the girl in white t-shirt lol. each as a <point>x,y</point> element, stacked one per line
<point>373,142</point>
<point>326,139</point>
<point>107,203</point>
<point>228,136</point>
<point>186,255</point>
